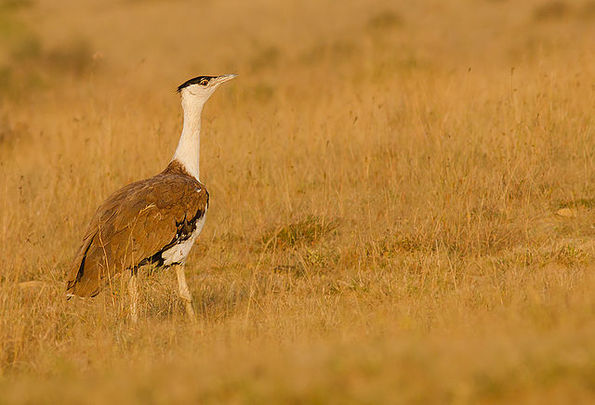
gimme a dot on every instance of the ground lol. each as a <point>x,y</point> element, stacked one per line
<point>402,200</point>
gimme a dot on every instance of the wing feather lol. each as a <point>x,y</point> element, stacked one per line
<point>133,225</point>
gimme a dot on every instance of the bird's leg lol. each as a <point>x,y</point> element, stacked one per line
<point>133,292</point>
<point>184,292</point>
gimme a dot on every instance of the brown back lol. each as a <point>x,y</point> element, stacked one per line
<point>133,225</point>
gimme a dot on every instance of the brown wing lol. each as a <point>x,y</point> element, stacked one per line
<point>133,225</point>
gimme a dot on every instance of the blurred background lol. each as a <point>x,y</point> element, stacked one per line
<point>150,43</point>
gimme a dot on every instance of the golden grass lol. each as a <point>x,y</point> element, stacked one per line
<point>402,200</point>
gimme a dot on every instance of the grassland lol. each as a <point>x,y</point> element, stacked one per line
<point>402,200</point>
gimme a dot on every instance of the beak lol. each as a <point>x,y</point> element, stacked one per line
<point>224,78</point>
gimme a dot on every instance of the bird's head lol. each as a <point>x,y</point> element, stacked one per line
<point>198,89</point>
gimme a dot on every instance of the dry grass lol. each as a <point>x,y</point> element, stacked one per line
<point>402,200</point>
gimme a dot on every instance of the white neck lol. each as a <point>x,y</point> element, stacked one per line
<point>188,151</point>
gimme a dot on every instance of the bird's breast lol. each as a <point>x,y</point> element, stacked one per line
<point>178,253</point>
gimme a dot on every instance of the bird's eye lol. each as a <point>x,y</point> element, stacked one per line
<point>204,82</point>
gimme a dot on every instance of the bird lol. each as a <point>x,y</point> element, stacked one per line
<point>154,221</point>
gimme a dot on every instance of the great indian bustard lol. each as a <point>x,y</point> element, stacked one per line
<point>152,221</point>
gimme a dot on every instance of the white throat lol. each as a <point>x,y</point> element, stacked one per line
<point>188,151</point>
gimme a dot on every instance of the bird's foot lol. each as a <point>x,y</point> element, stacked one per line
<point>190,311</point>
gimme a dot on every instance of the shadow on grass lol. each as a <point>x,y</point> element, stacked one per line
<point>307,231</point>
